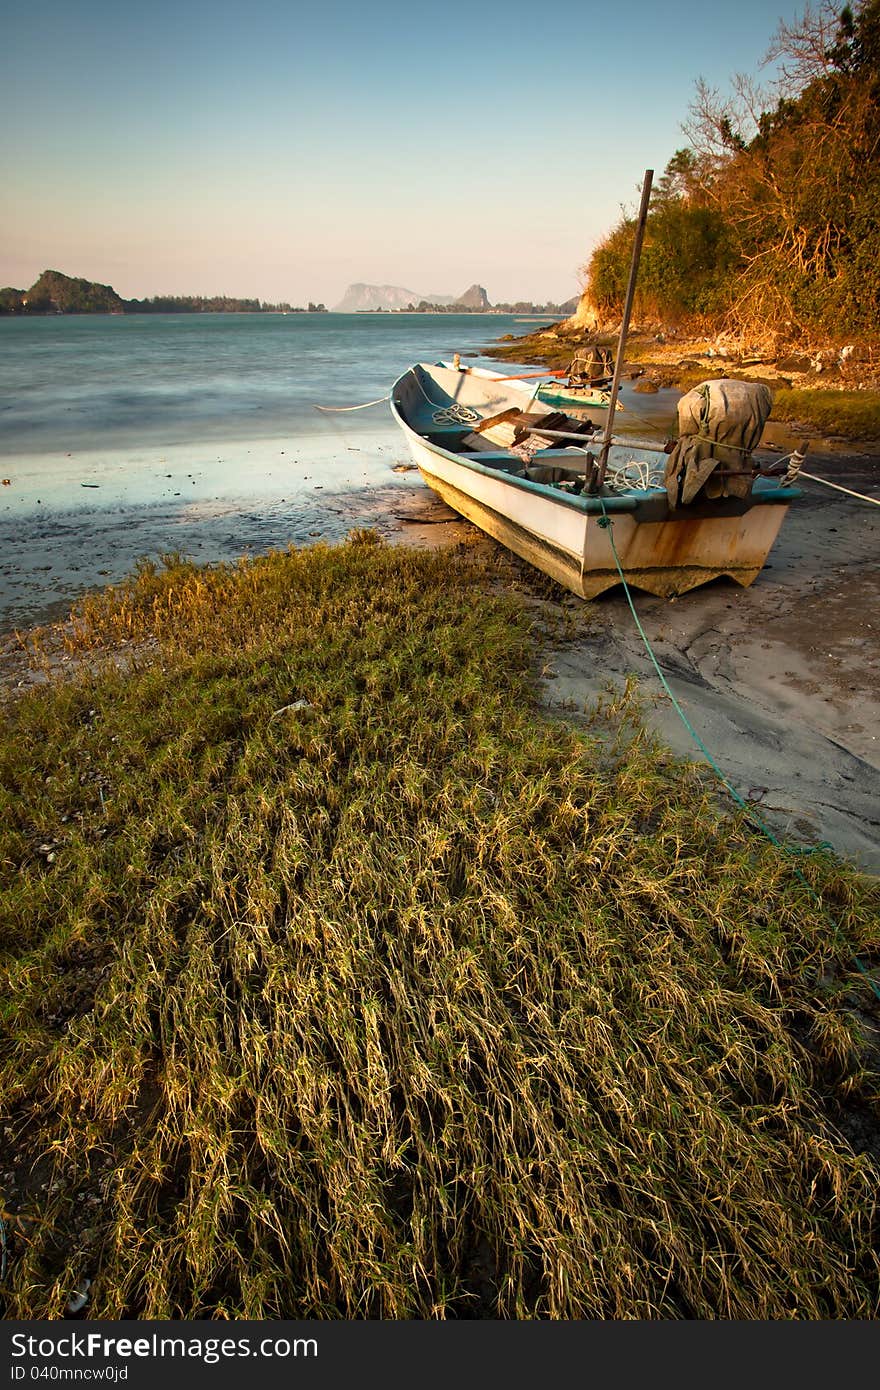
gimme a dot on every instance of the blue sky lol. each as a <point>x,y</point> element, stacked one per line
<point>283,151</point>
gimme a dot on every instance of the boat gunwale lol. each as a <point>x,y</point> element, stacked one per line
<point>587,505</point>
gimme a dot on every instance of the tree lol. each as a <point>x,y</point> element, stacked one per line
<point>792,174</point>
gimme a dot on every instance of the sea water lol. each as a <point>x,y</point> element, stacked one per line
<point>132,435</point>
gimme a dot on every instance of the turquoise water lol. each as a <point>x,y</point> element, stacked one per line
<point>77,383</point>
<point>119,388</point>
<point>129,436</point>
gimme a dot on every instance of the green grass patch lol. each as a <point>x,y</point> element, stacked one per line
<point>853,414</point>
<point>337,981</point>
<point>551,350</point>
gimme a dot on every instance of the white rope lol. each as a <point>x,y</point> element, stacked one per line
<point>861,496</point>
<point>795,464</point>
<point>455,415</point>
<point>638,473</point>
<point>452,414</point>
<point>342,409</point>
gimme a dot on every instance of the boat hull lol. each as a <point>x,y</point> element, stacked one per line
<point>670,557</point>
<point>665,558</point>
<point>554,550</point>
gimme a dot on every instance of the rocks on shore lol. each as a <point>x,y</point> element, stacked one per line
<point>666,357</point>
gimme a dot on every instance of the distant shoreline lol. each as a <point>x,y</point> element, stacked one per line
<point>54,293</point>
<point>524,315</point>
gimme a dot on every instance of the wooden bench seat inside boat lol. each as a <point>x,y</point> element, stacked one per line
<point>513,425</point>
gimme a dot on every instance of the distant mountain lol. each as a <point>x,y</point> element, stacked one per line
<point>364,299</point>
<point>475,297</point>
<point>360,298</point>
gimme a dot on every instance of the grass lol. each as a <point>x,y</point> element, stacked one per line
<point>339,982</point>
<point>853,414</point>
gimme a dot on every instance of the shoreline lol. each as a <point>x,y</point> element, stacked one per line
<point>49,561</point>
<point>781,678</point>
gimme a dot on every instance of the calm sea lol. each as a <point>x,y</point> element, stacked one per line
<point>129,436</point>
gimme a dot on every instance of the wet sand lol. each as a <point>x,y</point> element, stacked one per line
<point>46,562</point>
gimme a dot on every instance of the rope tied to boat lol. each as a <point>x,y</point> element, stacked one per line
<point>796,470</point>
<point>451,414</point>
<point>837,488</point>
<point>343,409</point>
<point>795,464</point>
<point>605,522</point>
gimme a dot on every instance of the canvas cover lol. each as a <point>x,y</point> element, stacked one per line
<point>719,424</point>
<point>590,365</point>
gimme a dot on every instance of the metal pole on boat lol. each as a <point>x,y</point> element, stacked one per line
<point>598,471</point>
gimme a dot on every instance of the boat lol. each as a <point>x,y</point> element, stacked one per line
<point>580,396</point>
<point>590,375</point>
<point>575,397</point>
<point>508,462</point>
<point>525,474</point>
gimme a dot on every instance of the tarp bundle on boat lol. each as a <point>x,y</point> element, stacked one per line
<point>589,366</point>
<point>719,424</point>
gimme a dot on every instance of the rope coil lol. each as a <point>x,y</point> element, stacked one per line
<point>454,415</point>
<point>637,473</point>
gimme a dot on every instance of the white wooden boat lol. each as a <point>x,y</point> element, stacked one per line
<point>540,509</point>
<point>588,385</point>
<point>592,399</point>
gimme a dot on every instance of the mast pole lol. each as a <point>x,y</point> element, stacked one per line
<point>598,471</point>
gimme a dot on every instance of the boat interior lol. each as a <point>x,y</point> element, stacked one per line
<point>503,426</point>
<point>499,427</point>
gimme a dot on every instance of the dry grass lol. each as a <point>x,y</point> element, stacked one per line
<point>405,1001</point>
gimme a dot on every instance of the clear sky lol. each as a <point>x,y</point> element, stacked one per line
<point>281,150</point>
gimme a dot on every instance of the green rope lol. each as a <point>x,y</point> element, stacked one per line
<point>605,523</point>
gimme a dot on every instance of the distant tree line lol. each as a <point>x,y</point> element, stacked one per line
<point>769,220</point>
<point>54,293</point>
<point>525,306</point>
<point>215,304</point>
<point>522,306</point>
